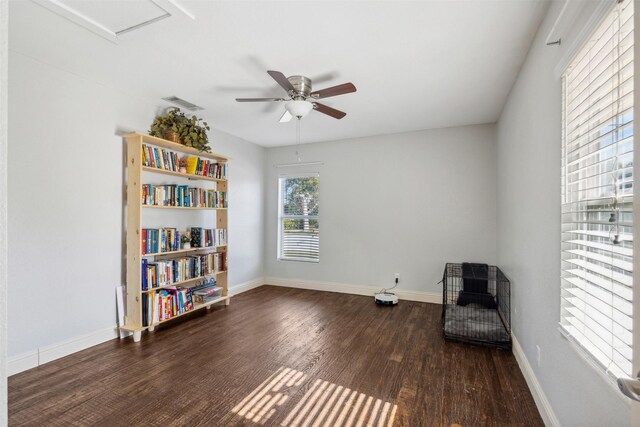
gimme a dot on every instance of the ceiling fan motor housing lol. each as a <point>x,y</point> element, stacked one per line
<point>302,86</point>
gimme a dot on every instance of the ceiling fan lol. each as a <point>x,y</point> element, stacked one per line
<point>301,98</point>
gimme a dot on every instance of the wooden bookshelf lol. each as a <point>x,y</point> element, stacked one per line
<point>135,168</point>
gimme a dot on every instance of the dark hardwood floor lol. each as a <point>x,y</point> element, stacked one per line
<point>282,357</point>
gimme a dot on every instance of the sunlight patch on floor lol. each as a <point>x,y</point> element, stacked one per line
<point>324,404</point>
<point>261,404</point>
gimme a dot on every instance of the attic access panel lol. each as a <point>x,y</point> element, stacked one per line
<point>111,19</point>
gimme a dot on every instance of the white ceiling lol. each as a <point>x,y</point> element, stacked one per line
<point>416,64</point>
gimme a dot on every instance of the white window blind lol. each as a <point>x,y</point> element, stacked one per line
<point>597,194</point>
<point>298,228</point>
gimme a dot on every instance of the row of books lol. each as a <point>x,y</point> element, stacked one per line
<point>202,167</point>
<point>205,237</point>
<point>183,196</point>
<point>158,240</point>
<point>207,291</point>
<point>160,158</point>
<point>165,304</point>
<point>166,272</point>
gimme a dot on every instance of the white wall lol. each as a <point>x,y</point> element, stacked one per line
<point>405,203</point>
<point>4,53</point>
<point>66,188</point>
<point>529,143</point>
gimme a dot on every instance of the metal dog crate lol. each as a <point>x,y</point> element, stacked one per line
<point>476,306</point>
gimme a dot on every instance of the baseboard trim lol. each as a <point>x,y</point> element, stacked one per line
<point>52,352</point>
<point>246,286</point>
<point>543,404</point>
<point>344,288</point>
<point>42,355</point>
<point>49,353</point>
<point>22,362</point>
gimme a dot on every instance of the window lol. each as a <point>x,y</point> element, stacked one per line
<point>298,219</point>
<point>597,194</point>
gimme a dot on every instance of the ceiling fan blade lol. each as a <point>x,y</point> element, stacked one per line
<point>282,80</point>
<point>258,99</point>
<point>336,114</point>
<point>334,91</point>
<point>286,117</point>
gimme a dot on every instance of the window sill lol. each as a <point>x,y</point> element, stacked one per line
<point>582,354</point>
<point>309,261</point>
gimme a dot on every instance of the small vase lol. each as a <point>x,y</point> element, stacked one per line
<point>186,245</point>
<point>183,170</point>
<point>172,136</point>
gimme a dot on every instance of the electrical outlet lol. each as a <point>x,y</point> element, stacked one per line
<point>396,277</point>
<point>538,355</point>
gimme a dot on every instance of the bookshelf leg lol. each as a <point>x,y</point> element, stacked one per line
<point>227,301</point>
<point>137,335</point>
<point>151,328</point>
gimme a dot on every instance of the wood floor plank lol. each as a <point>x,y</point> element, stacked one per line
<point>282,357</point>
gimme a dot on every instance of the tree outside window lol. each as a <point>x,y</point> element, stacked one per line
<point>299,218</point>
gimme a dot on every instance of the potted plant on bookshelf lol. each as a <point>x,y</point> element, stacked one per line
<point>194,134</point>
<point>182,163</point>
<point>175,126</point>
<point>185,239</point>
<point>168,125</point>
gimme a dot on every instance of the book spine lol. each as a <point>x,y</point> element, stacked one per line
<point>157,158</point>
<point>154,241</point>
<point>144,274</point>
<point>145,310</point>
<point>144,155</point>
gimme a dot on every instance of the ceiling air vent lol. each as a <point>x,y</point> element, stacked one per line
<point>182,103</point>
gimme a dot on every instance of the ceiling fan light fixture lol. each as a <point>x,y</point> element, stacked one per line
<point>298,109</point>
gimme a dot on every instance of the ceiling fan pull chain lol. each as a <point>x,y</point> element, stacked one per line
<point>298,139</point>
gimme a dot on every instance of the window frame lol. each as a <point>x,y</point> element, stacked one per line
<point>282,217</point>
<point>624,183</point>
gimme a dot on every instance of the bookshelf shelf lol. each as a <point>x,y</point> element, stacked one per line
<point>184,282</point>
<point>208,304</point>
<point>184,251</point>
<point>182,207</point>
<point>196,307</point>
<point>185,175</point>
<point>159,142</point>
<point>140,304</point>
